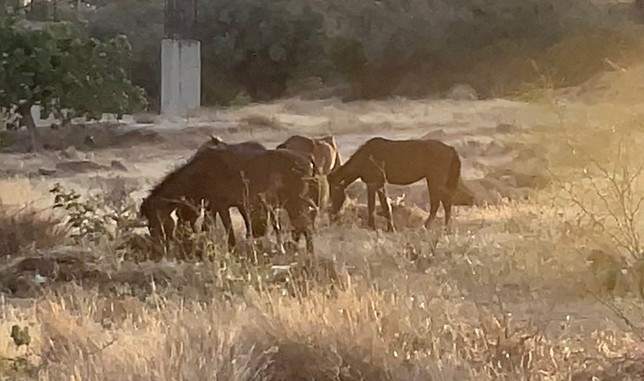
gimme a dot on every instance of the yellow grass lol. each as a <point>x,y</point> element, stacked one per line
<point>17,192</point>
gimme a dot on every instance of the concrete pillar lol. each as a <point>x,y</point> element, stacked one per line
<point>180,76</point>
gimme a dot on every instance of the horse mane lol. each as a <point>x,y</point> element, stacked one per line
<point>172,176</point>
<point>346,169</point>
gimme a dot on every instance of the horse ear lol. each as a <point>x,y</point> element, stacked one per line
<point>329,139</point>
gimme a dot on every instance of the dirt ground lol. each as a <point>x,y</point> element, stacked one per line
<point>489,136</point>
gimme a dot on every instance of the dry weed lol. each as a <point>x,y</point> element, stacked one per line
<point>358,334</point>
<point>28,228</point>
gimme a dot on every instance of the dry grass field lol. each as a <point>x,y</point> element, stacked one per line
<point>541,280</point>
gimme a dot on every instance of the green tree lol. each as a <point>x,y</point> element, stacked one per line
<point>142,22</point>
<point>63,73</point>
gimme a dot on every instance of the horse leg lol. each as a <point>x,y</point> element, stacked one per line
<point>371,205</point>
<point>434,202</point>
<point>168,228</point>
<point>308,237</point>
<point>161,230</point>
<point>209,219</point>
<point>186,215</point>
<point>447,206</point>
<point>247,222</point>
<point>386,208</point>
<point>273,214</point>
<point>224,214</point>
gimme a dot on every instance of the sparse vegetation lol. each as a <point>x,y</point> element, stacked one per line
<point>113,213</point>
<point>608,196</point>
<point>28,229</point>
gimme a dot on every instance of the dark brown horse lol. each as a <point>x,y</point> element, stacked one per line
<point>257,222</point>
<point>249,146</point>
<point>402,162</point>
<point>186,209</point>
<point>224,178</point>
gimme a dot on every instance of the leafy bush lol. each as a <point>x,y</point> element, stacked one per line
<point>95,217</point>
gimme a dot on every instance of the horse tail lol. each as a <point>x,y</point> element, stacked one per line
<point>454,174</point>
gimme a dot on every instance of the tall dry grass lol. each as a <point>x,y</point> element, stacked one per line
<point>502,298</point>
<point>25,221</point>
<point>357,334</point>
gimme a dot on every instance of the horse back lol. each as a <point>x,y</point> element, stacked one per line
<point>406,161</point>
<point>322,150</point>
<point>299,143</point>
<point>215,143</point>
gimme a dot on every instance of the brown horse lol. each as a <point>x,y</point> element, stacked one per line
<point>225,178</point>
<point>257,223</point>
<point>325,154</point>
<point>323,150</point>
<point>216,142</point>
<point>402,162</point>
<point>189,212</point>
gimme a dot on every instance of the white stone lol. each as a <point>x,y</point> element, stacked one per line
<point>462,92</point>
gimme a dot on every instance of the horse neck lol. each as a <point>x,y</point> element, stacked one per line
<point>162,192</point>
<point>349,172</point>
<point>172,187</point>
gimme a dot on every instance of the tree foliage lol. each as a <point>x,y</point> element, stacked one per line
<point>141,21</point>
<point>64,73</point>
<point>259,46</point>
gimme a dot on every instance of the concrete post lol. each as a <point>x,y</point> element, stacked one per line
<point>180,76</point>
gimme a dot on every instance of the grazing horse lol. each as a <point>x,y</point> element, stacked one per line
<point>323,150</point>
<point>325,154</point>
<point>225,178</point>
<point>401,162</point>
<point>188,212</point>
<point>257,223</point>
